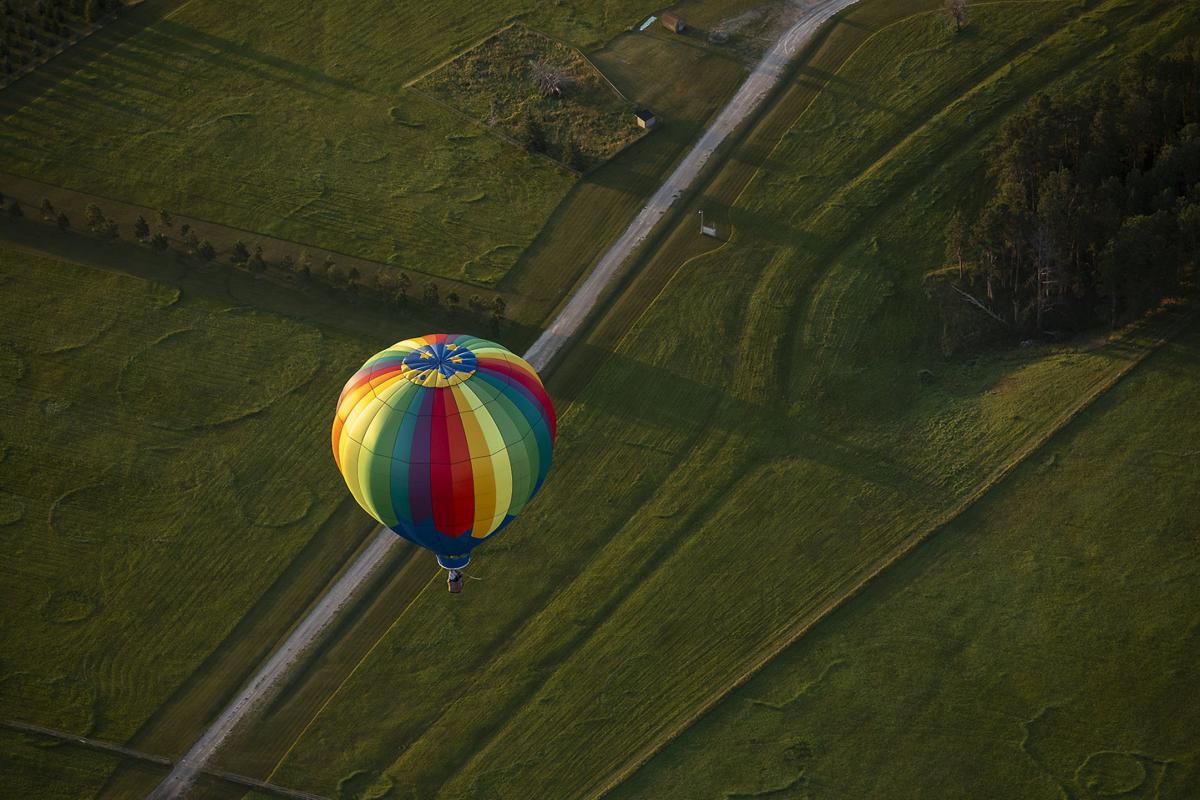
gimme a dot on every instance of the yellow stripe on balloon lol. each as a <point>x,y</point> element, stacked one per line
<point>352,398</point>
<point>493,466</point>
<point>359,419</point>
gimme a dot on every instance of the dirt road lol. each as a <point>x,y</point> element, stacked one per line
<point>267,679</point>
<point>747,99</point>
<point>743,104</point>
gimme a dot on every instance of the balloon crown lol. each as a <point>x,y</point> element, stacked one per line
<point>439,365</point>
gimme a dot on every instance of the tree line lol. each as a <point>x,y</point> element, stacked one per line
<point>391,286</point>
<point>28,31</point>
<point>1093,212</point>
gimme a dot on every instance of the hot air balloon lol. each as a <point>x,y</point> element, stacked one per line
<point>444,439</point>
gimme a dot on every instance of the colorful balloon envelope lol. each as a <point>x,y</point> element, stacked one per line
<point>444,439</point>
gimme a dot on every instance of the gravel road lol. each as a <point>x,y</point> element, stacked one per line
<point>744,103</point>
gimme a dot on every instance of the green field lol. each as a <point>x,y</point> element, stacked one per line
<point>1041,645</point>
<point>165,471</point>
<point>769,473</point>
<point>778,423</point>
<point>298,125</point>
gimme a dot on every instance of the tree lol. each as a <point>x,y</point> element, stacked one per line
<point>571,156</point>
<point>452,299</point>
<point>141,228</point>
<point>548,78</point>
<point>184,228</point>
<point>956,10</point>
<point>256,263</point>
<point>498,309</point>
<point>94,217</point>
<point>15,210</point>
<point>47,208</point>
<point>160,241</point>
<point>206,250</point>
<point>110,230</point>
<point>63,221</point>
<point>534,137</point>
<point>91,11</point>
<point>164,218</point>
<point>240,254</point>
<point>403,284</point>
<point>191,243</point>
<point>431,295</point>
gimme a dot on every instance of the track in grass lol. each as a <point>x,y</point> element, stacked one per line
<point>1032,648</point>
<point>811,457</point>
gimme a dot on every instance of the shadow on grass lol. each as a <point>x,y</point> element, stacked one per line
<point>326,308</point>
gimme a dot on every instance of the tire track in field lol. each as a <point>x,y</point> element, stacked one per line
<point>881,153</point>
<point>793,635</point>
<point>570,319</point>
<point>993,478</point>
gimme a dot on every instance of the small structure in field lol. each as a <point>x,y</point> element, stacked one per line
<point>707,230</point>
<point>645,119</point>
<point>672,22</point>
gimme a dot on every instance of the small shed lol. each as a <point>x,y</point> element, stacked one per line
<point>672,22</point>
<point>645,119</point>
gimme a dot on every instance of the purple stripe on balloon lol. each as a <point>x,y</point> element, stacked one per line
<point>420,496</point>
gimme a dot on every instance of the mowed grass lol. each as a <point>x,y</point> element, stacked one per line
<point>296,123</point>
<point>163,460</point>
<point>1043,645</point>
<point>761,440</point>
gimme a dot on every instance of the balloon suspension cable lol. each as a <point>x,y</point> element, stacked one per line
<point>462,573</point>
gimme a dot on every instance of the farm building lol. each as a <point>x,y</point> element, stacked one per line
<point>645,119</point>
<point>672,22</point>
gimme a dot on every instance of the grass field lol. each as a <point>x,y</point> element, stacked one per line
<point>761,440</point>
<point>165,475</point>
<point>1039,646</point>
<point>298,125</point>
<point>689,85</point>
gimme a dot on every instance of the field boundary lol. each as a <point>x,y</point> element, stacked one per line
<point>139,755</point>
<point>230,231</point>
<point>995,478</point>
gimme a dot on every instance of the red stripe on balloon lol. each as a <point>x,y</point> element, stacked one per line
<point>463,486</point>
<point>441,477</point>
